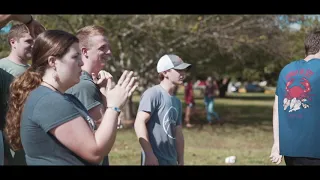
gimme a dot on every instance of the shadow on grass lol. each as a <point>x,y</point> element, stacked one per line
<point>236,116</point>
<point>262,98</point>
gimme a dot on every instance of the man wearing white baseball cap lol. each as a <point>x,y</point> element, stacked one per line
<point>158,124</point>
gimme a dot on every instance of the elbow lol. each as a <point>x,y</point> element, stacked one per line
<point>95,157</point>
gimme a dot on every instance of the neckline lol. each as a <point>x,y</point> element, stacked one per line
<point>52,87</point>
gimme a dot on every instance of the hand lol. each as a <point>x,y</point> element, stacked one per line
<point>35,28</point>
<point>275,156</point>
<point>117,96</point>
<point>102,80</point>
<point>151,159</point>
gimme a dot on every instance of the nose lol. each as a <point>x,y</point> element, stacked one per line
<point>80,62</point>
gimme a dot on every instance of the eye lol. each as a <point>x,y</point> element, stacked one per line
<point>75,56</point>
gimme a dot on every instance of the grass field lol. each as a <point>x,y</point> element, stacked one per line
<point>247,134</point>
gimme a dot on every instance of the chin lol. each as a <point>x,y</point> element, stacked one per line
<point>76,81</point>
<point>179,83</point>
<point>28,56</point>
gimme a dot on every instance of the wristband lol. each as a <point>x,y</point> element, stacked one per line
<point>115,108</point>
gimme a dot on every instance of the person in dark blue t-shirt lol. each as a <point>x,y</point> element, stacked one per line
<point>296,114</point>
<point>52,126</point>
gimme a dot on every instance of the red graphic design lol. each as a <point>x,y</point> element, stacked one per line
<point>298,92</point>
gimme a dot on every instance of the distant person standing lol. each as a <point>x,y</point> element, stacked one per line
<point>209,96</point>
<point>190,102</point>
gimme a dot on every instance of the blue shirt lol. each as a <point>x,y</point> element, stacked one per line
<point>298,106</point>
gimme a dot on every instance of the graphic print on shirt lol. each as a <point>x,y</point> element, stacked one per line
<point>298,90</point>
<point>169,122</point>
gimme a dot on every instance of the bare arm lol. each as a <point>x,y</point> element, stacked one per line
<point>180,145</point>
<point>33,25</point>
<point>275,121</point>
<point>141,131</point>
<point>78,137</point>
<point>6,18</point>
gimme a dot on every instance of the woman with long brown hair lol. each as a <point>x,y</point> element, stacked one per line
<point>54,127</point>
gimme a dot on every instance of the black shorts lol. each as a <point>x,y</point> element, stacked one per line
<point>301,161</point>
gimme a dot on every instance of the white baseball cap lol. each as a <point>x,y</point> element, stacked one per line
<point>171,61</point>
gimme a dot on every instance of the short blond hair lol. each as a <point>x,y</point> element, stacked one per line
<point>17,32</point>
<point>86,32</point>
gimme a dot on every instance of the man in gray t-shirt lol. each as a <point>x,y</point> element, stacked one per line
<point>93,80</point>
<point>158,124</point>
<point>15,64</point>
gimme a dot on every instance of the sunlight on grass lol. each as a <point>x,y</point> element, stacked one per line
<point>246,134</point>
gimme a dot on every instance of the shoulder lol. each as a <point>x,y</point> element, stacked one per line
<point>152,91</point>
<point>4,62</point>
<point>71,97</point>
<point>83,86</point>
<point>290,67</point>
<point>85,83</point>
<point>43,94</point>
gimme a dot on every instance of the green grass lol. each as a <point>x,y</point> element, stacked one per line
<point>246,134</point>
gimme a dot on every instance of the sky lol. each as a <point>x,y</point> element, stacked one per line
<point>297,26</point>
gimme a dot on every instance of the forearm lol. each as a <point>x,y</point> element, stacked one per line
<point>106,133</point>
<point>104,103</point>
<point>180,147</point>
<point>142,134</point>
<point>6,18</point>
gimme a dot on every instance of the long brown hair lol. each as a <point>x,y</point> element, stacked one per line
<point>49,43</point>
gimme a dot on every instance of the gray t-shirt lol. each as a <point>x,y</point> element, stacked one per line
<point>89,95</point>
<point>165,111</point>
<point>86,91</point>
<point>13,68</point>
<point>44,110</point>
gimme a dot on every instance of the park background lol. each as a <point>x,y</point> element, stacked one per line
<point>248,51</point>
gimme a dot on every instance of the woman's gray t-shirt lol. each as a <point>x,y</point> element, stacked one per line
<point>44,110</point>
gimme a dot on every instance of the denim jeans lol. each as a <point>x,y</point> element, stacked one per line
<point>209,103</point>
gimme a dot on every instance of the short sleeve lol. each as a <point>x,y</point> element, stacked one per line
<point>148,101</point>
<point>53,110</point>
<point>87,93</point>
